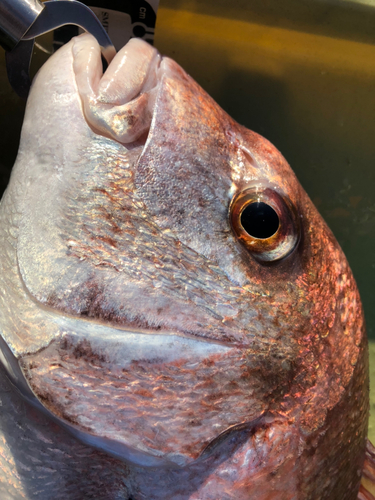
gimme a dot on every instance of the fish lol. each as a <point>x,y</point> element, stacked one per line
<point>177,320</point>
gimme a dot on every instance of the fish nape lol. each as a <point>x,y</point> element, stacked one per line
<point>178,322</point>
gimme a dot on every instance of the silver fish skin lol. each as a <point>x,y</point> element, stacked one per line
<point>155,345</point>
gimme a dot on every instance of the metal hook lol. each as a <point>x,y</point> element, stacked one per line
<point>21,21</point>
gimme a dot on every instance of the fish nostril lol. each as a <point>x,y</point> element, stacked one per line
<point>260,220</point>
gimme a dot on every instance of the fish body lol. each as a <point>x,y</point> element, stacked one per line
<point>156,344</point>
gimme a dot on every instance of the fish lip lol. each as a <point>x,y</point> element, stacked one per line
<point>113,106</point>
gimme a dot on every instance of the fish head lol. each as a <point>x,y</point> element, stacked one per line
<point>168,280</point>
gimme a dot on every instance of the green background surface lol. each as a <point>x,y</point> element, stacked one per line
<point>301,73</point>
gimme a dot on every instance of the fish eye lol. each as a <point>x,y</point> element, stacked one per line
<point>260,220</point>
<point>265,222</point>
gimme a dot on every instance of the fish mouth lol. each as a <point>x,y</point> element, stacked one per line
<point>118,104</point>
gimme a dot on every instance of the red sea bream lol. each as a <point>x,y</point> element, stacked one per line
<point>177,320</point>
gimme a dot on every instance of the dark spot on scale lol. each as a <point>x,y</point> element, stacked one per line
<point>194,423</point>
<point>201,202</point>
<point>106,239</point>
<point>275,322</point>
<point>82,350</point>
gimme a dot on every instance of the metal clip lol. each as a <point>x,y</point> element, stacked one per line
<point>21,21</point>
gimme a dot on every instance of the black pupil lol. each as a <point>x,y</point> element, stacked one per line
<point>260,220</point>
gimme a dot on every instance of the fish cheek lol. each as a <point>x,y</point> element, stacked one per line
<point>166,401</point>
